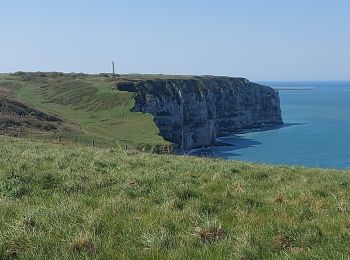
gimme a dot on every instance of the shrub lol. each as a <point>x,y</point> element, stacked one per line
<point>19,73</point>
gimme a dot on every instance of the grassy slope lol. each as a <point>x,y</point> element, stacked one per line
<point>102,112</point>
<point>10,85</point>
<point>60,201</point>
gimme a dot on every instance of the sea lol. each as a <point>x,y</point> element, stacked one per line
<point>316,130</point>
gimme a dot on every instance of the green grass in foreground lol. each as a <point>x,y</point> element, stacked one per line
<point>65,202</point>
<point>102,112</point>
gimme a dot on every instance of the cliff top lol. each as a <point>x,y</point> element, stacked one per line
<point>171,77</point>
<point>89,104</point>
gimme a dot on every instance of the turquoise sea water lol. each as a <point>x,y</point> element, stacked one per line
<point>316,134</point>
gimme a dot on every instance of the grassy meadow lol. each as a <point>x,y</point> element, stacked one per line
<point>88,102</point>
<point>76,202</point>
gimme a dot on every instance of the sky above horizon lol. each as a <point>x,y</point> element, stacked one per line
<point>256,39</point>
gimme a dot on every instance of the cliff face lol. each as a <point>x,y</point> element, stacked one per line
<point>192,112</point>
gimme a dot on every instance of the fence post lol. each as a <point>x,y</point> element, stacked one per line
<point>93,143</point>
<point>126,147</point>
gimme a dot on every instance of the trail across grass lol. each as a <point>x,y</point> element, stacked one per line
<point>65,202</point>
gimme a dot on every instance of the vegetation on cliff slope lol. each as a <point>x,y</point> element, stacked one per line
<point>65,202</point>
<point>88,102</point>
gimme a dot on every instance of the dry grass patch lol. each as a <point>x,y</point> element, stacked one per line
<point>210,234</point>
<point>84,245</point>
<point>281,199</point>
<point>283,242</point>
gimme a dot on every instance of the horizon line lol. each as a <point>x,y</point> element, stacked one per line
<point>166,74</point>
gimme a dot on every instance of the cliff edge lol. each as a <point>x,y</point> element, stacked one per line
<point>192,112</point>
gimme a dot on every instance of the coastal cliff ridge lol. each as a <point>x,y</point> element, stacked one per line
<point>191,112</point>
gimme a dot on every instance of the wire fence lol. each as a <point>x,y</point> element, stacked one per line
<point>92,142</point>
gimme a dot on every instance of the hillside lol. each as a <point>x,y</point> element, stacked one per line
<point>75,202</point>
<point>90,106</point>
<point>160,113</point>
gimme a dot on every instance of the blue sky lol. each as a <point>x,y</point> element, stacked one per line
<point>257,39</point>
